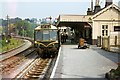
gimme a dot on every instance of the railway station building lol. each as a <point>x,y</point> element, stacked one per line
<point>79,23</point>
<point>97,22</point>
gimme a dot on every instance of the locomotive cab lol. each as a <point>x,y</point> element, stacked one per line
<point>46,40</point>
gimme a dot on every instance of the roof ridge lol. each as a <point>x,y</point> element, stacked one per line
<point>105,8</point>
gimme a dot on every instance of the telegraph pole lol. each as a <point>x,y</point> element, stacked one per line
<point>7,30</point>
<point>7,27</point>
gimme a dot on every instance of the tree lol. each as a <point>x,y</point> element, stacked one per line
<point>25,28</point>
<point>20,27</point>
<point>27,19</point>
<point>33,20</point>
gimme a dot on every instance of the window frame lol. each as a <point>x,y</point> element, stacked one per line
<point>104,30</point>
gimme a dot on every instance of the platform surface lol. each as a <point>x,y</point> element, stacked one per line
<point>89,63</point>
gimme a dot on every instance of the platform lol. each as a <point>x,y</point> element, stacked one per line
<point>90,64</point>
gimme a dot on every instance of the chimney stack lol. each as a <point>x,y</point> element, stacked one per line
<point>108,2</point>
<point>96,2</point>
<point>89,12</point>
<point>92,5</point>
<point>97,7</point>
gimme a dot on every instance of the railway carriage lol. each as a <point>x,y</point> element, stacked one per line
<point>46,40</point>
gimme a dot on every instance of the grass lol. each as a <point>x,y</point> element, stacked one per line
<point>8,46</point>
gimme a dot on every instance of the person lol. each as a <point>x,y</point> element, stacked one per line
<point>62,38</point>
<point>66,36</point>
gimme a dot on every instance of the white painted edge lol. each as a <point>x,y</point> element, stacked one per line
<point>56,63</point>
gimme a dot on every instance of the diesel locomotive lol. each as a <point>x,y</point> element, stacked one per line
<point>46,40</point>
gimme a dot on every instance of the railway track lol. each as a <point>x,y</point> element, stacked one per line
<point>25,65</point>
<point>36,70</point>
<point>9,65</point>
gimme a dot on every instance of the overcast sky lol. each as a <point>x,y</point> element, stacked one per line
<point>44,8</point>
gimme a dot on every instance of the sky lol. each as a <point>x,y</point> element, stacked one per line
<point>44,8</point>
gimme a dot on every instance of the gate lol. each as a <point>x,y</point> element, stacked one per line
<point>106,43</point>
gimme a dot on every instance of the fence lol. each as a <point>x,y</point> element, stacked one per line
<point>109,42</point>
<point>98,41</point>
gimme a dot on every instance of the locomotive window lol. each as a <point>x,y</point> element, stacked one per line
<point>45,32</point>
<point>38,35</point>
<point>53,35</point>
<point>46,35</point>
<point>45,26</point>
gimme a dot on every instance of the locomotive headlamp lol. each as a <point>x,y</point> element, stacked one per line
<point>35,42</point>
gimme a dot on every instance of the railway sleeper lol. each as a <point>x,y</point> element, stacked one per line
<point>37,64</point>
<point>45,63</point>
<point>39,71</point>
<point>31,76</point>
<point>36,69</point>
<point>28,76</point>
<point>35,73</point>
<point>43,66</point>
<point>34,77</point>
<point>32,70</point>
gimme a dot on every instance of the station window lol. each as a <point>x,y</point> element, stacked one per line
<point>103,27</point>
<point>116,28</point>
<point>104,30</point>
